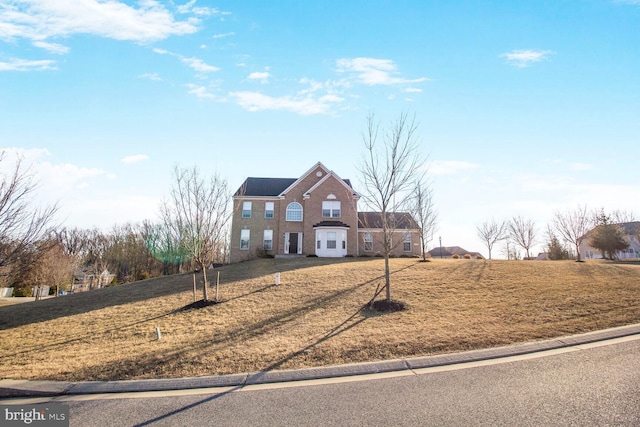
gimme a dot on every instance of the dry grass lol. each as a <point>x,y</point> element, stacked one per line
<point>314,317</point>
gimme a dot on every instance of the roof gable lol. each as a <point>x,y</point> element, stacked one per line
<point>306,174</point>
<point>345,182</point>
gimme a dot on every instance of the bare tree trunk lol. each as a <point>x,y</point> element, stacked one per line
<point>387,278</point>
<point>205,294</point>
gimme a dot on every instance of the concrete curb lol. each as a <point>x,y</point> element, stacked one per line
<point>24,388</point>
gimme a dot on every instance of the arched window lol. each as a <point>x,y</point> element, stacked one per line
<point>294,212</point>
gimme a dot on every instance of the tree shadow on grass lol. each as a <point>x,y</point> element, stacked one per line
<point>142,365</point>
<point>16,315</point>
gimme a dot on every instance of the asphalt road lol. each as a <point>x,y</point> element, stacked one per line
<point>587,386</point>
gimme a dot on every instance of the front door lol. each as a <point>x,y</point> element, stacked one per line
<point>293,243</point>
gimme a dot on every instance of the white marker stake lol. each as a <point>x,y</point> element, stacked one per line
<point>158,334</point>
<point>277,279</point>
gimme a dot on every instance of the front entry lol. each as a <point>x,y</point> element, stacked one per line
<point>293,243</point>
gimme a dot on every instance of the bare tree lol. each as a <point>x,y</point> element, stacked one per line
<point>198,212</point>
<point>491,232</point>
<point>424,213</point>
<point>53,268</point>
<point>523,233</point>
<point>621,216</point>
<point>165,244</point>
<point>389,169</point>
<point>22,223</point>
<point>573,226</point>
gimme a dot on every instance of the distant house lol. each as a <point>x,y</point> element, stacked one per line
<point>632,231</point>
<point>453,252</point>
<point>83,281</point>
<point>315,214</point>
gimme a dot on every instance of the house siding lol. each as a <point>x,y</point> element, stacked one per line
<point>256,226</point>
<point>397,242</point>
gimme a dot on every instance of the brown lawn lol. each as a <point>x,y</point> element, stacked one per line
<point>315,317</point>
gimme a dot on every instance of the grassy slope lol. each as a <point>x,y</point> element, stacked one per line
<point>313,318</point>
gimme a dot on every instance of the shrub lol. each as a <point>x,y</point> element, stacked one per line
<point>467,256</point>
<point>455,256</point>
<point>262,253</point>
<point>22,292</point>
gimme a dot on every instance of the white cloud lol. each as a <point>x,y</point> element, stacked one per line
<point>199,65</point>
<point>53,178</point>
<point>255,101</point>
<point>55,48</point>
<point>200,91</point>
<point>203,11</point>
<point>43,19</point>
<point>151,76</point>
<point>372,71</point>
<point>221,36</point>
<point>523,58</point>
<point>27,65</point>
<point>314,86</point>
<point>412,90</point>
<point>263,77</point>
<point>136,158</point>
<point>580,167</point>
<point>447,167</point>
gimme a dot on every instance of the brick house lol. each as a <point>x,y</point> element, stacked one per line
<point>315,214</point>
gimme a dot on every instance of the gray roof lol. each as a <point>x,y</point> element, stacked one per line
<point>267,187</point>
<point>630,228</point>
<point>401,220</point>
<point>331,224</point>
<point>264,186</point>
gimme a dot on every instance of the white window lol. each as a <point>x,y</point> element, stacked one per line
<point>331,209</point>
<point>267,241</point>
<point>246,209</point>
<point>294,212</point>
<point>331,239</point>
<point>268,210</point>
<point>368,241</point>
<point>407,242</point>
<point>244,239</point>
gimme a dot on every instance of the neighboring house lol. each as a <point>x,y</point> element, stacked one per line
<point>315,214</point>
<point>631,229</point>
<point>450,251</point>
<point>83,281</point>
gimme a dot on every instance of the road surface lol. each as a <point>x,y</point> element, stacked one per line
<point>589,385</point>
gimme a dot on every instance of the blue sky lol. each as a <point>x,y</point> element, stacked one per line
<point>525,108</point>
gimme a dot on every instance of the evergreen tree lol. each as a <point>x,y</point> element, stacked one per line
<point>608,238</point>
<point>555,250</point>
